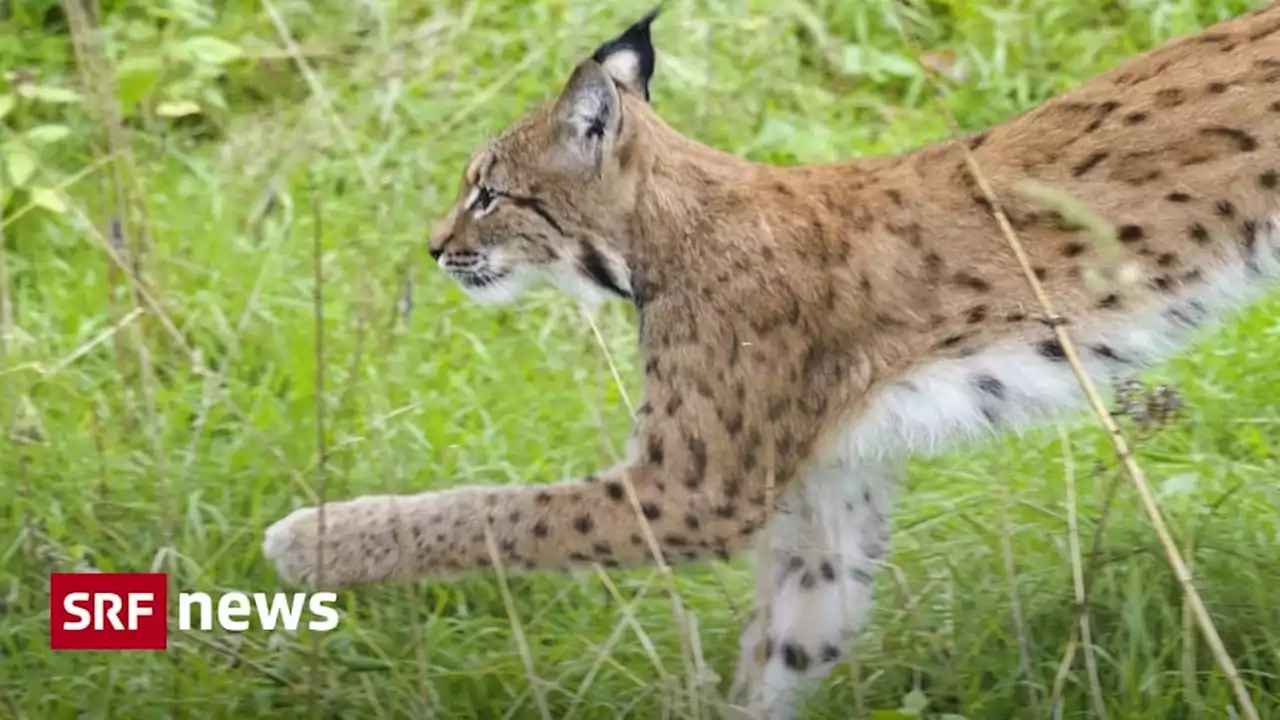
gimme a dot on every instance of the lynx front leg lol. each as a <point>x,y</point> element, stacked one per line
<point>814,579</point>
<point>534,527</point>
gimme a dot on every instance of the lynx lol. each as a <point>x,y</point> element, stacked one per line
<point>805,330</point>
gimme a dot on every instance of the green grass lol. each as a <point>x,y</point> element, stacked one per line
<point>130,456</point>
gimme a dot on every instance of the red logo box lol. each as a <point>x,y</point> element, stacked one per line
<point>108,611</point>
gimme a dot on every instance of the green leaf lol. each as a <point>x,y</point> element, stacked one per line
<point>140,64</point>
<point>19,163</point>
<point>139,31</point>
<point>45,134</point>
<point>177,108</point>
<point>914,703</point>
<point>6,104</point>
<point>49,94</point>
<point>209,50</point>
<point>137,76</point>
<point>48,199</point>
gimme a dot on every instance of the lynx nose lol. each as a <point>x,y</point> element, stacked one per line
<point>436,253</point>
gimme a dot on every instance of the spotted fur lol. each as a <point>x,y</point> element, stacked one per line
<point>806,329</point>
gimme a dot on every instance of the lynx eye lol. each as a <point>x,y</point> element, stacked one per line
<point>485,197</point>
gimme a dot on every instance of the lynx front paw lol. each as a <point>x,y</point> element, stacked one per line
<point>360,545</point>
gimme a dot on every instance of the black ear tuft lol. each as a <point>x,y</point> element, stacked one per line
<point>629,58</point>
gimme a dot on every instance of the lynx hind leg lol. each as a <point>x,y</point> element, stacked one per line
<point>814,580</point>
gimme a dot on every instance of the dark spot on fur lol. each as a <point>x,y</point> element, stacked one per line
<point>972,282</point>
<point>1199,234</point>
<point>894,196</point>
<point>1105,110</point>
<point>578,557</point>
<point>1073,249</point>
<point>830,653</point>
<point>726,511</point>
<point>1167,260</point>
<point>990,385</point>
<point>1161,282</point>
<point>1131,233</point>
<point>1217,88</point>
<point>976,314</point>
<point>951,341</point>
<point>1015,317</point>
<point>656,451</point>
<point>1135,118</point>
<point>673,404</point>
<point>675,540</point>
<point>794,564</point>
<point>1244,141</point>
<point>1169,97</point>
<point>1109,301</point>
<point>614,490</point>
<point>540,528</point>
<point>542,498</point>
<point>692,522</point>
<point>795,657</point>
<point>1051,349</point>
<point>651,511</point>
<point>584,524</point>
<point>734,424</point>
<point>1268,179</point>
<point>1105,352</point>
<point>1224,209</point>
<point>828,571</point>
<point>933,263</point>
<point>1249,243</point>
<point>698,456</point>
<point>807,581</point>
<point>1178,197</point>
<point>1040,273</point>
<point>1089,163</point>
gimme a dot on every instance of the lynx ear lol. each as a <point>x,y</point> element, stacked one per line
<point>588,112</point>
<point>629,58</point>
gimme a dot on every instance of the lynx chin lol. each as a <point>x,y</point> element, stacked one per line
<point>805,330</point>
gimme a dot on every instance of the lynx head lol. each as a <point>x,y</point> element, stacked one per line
<point>552,194</point>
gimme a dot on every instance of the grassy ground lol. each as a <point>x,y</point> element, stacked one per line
<point>173,446</point>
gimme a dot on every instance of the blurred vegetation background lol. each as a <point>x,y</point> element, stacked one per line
<point>168,170</point>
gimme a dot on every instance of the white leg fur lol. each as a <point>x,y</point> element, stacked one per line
<point>814,581</point>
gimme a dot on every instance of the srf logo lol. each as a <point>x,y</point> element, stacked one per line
<point>108,611</point>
